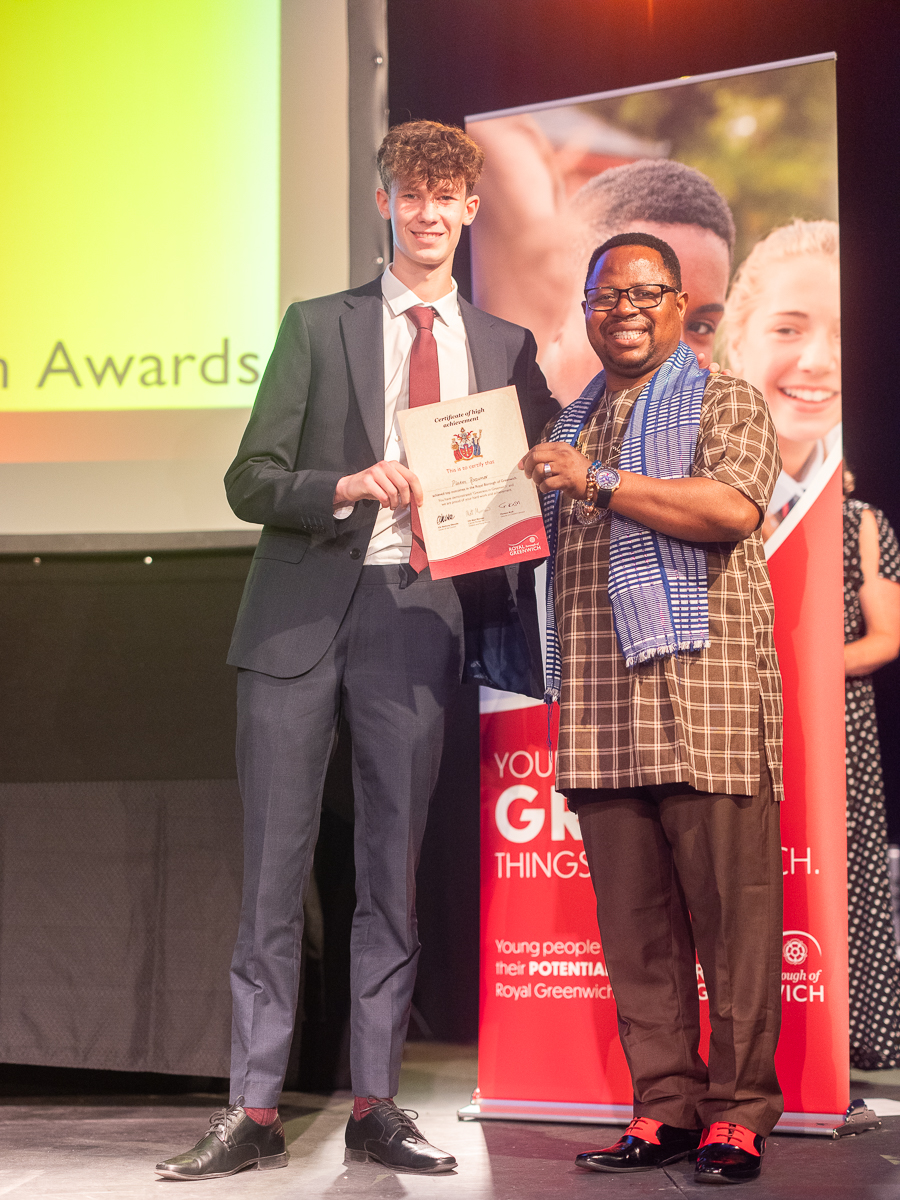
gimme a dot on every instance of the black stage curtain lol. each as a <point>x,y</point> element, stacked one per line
<point>120,832</point>
<point>118,914</point>
<point>120,820</point>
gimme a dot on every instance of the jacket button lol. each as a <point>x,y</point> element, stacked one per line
<point>355,553</point>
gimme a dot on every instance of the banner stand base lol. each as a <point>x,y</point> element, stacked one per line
<point>484,1109</point>
<point>817,1124</point>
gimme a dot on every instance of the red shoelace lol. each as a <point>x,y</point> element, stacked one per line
<point>726,1133</point>
<point>644,1128</point>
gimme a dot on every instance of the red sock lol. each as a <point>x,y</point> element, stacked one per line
<point>262,1116</point>
<point>362,1104</point>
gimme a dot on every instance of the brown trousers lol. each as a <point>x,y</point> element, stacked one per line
<point>676,870</point>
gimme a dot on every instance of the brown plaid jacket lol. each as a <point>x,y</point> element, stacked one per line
<point>695,718</point>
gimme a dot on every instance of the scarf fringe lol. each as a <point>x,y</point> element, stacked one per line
<point>667,651</point>
<point>552,694</point>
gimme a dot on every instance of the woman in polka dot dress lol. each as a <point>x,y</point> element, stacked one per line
<point>872,638</point>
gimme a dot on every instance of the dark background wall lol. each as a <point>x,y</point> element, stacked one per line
<point>468,56</point>
<point>114,668</point>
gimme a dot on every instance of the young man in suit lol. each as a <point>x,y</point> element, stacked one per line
<point>340,614</point>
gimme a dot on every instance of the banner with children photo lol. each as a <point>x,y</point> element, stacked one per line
<point>738,173</point>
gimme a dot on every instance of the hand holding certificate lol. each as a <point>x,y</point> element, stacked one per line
<point>479,510</point>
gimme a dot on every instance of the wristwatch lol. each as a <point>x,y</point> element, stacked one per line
<point>606,480</point>
<point>601,483</point>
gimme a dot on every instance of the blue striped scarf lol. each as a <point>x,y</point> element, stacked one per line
<point>657,584</point>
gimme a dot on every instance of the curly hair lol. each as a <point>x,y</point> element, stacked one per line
<point>430,153</point>
<point>786,242</point>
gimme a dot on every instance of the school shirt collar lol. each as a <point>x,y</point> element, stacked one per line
<point>399,298</point>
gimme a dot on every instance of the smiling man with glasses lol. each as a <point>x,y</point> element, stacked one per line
<point>660,652</point>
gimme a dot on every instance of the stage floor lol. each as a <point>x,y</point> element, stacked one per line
<point>105,1148</point>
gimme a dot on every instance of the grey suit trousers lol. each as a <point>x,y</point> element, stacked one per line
<point>392,668</point>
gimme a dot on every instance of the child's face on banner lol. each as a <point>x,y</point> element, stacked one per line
<point>791,348</point>
<point>705,268</point>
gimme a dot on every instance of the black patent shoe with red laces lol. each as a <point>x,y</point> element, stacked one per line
<point>729,1153</point>
<point>645,1144</point>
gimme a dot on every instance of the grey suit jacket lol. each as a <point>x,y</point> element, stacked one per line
<point>319,415</point>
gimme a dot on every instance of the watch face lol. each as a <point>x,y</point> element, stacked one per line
<point>607,479</point>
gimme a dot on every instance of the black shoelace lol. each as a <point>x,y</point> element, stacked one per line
<point>403,1118</point>
<point>222,1117</point>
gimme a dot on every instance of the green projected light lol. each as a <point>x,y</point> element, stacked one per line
<point>138,202</point>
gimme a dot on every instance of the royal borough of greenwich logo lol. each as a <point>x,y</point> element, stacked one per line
<point>466,445</point>
<point>803,969</point>
<point>795,951</point>
<point>526,545</point>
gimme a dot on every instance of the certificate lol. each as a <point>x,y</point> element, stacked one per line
<point>479,510</point>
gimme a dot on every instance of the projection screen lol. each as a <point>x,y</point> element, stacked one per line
<point>148,250</point>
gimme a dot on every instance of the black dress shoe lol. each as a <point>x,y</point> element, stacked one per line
<point>387,1135</point>
<point>729,1154</point>
<point>233,1142</point>
<point>645,1144</point>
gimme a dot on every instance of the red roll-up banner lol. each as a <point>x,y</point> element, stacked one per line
<point>549,1047</point>
<point>548,1043</point>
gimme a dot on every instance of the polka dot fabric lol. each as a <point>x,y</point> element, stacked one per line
<point>874,965</point>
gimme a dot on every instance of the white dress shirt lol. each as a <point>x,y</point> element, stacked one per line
<point>391,538</point>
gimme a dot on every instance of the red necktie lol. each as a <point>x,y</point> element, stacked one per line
<point>424,388</point>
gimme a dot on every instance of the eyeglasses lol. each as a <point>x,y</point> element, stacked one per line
<point>642,295</point>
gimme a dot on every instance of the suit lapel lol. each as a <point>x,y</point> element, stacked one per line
<point>487,348</point>
<point>363,336</point>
